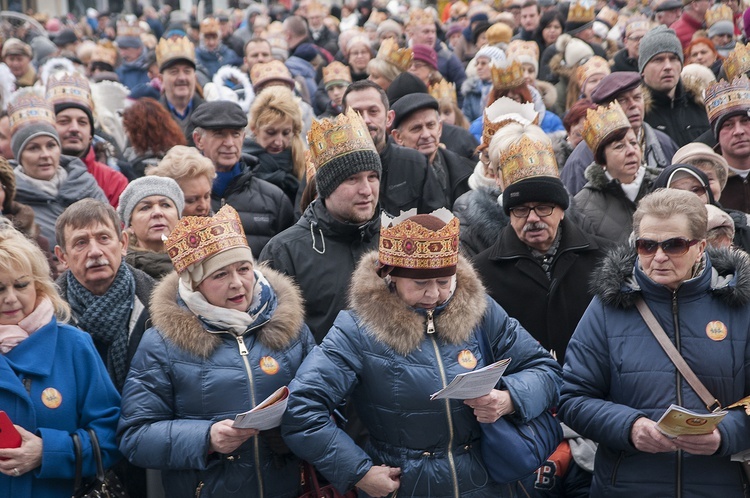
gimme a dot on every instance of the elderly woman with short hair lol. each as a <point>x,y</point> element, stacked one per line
<point>194,173</point>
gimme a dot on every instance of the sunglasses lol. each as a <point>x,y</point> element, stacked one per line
<point>671,247</point>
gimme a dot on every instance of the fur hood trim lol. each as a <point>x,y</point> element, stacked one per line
<point>548,92</point>
<point>557,67</point>
<point>692,90</point>
<point>614,281</point>
<point>561,147</point>
<point>389,320</point>
<point>185,330</point>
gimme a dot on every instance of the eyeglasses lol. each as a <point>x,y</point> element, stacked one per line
<point>635,38</point>
<point>542,210</point>
<point>676,246</point>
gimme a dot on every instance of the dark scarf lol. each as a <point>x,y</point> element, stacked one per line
<point>106,318</point>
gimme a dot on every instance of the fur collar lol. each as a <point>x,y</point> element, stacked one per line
<point>183,328</point>
<point>595,175</point>
<point>614,281</point>
<point>392,322</point>
<point>557,67</point>
<point>691,89</point>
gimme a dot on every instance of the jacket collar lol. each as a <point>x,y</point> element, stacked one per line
<point>318,217</point>
<point>26,356</point>
<point>509,246</point>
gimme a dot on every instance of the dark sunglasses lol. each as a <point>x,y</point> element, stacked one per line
<point>671,247</point>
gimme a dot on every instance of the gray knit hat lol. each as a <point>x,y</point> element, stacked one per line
<point>659,40</point>
<point>147,186</point>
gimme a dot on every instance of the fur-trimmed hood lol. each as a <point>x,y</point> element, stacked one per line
<point>557,67</point>
<point>548,92</point>
<point>690,87</point>
<point>615,284</point>
<point>185,330</point>
<point>391,321</point>
<point>598,179</point>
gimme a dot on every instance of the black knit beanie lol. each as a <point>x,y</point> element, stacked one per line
<point>332,174</point>
<point>68,105</point>
<point>535,189</point>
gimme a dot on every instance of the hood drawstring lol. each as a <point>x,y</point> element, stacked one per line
<point>322,239</point>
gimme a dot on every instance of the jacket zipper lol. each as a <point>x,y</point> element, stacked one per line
<point>451,462</point>
<point>199,489</point>
<point>256,445</point>
<point>678,381</point>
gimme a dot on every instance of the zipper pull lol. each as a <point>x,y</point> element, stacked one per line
<point>241,344</point>
<point>430,323</point>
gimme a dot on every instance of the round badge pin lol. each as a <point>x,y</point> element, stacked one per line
<point>51,398</point>
<point>467,360</point>
<point>269,365</point>
<point>716,330</point>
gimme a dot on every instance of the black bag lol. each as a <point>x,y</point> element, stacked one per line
<point>105,484</point>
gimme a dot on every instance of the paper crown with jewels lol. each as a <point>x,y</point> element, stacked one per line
<point>595,65</point>
<point>171,51</point>
<point>444,91</point>
<point>28,109</point>
<point>196,238</point>
<point>724,97</point>
<point>210,25</point>
<point>419,17</point>
<point>336,73</point>
<point>602,122</point>
<point>392,54</point>
<point>104,52</point>
<point>125,28</point>
<point>69,88</point>
<point>273,70</point>
<point>580,12</point>
<point>608,16</point>
<point>527,158</point>
<point>505,77</point>
<point>504,111</point>
<point>738,61</point>
<point>519,49</point>
<point>718,13</point>
<point>335,137</point>
<point>637,23</point>
<point>405,243</point>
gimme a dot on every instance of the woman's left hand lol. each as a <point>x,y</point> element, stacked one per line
<point>705,444</point>
<point>17,461</point>
<point>492,406</point>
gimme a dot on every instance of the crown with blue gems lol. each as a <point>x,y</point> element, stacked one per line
<point>27,109</point>
<point>69,88</point>
<point>723,97</point>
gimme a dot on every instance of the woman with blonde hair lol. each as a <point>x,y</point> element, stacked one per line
<point>68,393</point>
<point>194,173</point>
<point>275,124</point>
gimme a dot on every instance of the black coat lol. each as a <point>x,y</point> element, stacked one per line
<point>621,62</point>
<point>274,168</point>
<point>682,118</point>
<point>321,253</point>
<point>263,207</point>
<point>549,310</point>
<point>459,171</point>
<point>460,141</point>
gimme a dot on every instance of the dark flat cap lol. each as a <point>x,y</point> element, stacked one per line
<point>65,37</point>
<point>218,115</point>
<point>614,84</point>
<point>668,5</point>
<point>404,84</point>
<point>409,104</point>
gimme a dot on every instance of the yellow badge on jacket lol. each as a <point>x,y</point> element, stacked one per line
<point>716,331</point>
<point>467,360</point>
<point>269,365</point>
<point>51,398</point>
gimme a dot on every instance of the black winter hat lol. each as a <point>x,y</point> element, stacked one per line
<point>409,104</point>
<point>404,84</point>
<point>535,189</point>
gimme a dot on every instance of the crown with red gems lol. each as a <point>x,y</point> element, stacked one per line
<point>527,158</point>
<point>602,122</point>
<point>69,88</point>
<point>336,73</point>
<point>196,238</point>
<point>724,97</point>
<point>407,244</point>
<point>27,109</point>
<point>505,77</point>
<point>504,111</point>
<point>399,57</point>
<point>738,61</point>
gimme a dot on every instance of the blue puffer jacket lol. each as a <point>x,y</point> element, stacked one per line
<point>380,354</point>
<point>183,379</point>
<point>616,372</point>
<point>63,358</point>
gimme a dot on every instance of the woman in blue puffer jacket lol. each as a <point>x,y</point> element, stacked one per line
<point>414,325</point>
<point>226,336</point>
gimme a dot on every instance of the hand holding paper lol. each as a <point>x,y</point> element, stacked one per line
<point>267,414</point>
<point>474,384</point>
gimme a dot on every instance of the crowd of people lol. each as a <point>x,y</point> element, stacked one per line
<point>359,202</point>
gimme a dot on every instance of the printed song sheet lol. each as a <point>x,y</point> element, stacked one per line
<point>679,421</point>
<point>475,383</point>
<point>267,414</point>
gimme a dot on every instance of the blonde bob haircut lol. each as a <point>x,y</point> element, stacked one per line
<point>17,253</point>
<point>184,163</point>
<point>277,103</point>
<point>666,203</point>
<point>510,134</point>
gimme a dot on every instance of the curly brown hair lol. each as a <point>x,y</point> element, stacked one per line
<point>150,127</point>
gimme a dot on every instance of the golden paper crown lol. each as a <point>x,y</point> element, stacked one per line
<point>196,238</point>
<point>608,16</point>
<point>518,49</point>
<point>69,88</point>
<point>336,72</point>
<point>508,76</point>
<point>595,65</point>
<point>527,158</point>
<point>718,13</point>
<point>639,23</point>
<point>399,57</point>
<point>124,28</point>
<point>404,243</point>
<point>210,25</point>
<point>104,52</point>
<point>29,109</point>
<point>330,138</point>
<point>270,71</point>
<point>580,13</point>
<point>737,62</point>
<point>316,8</point>
<point>504,111</point>
<point>169,50</point>
<point>444,91</point>
<point>602,122</point>
<point>724,97</point>
<point>419,17</point>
